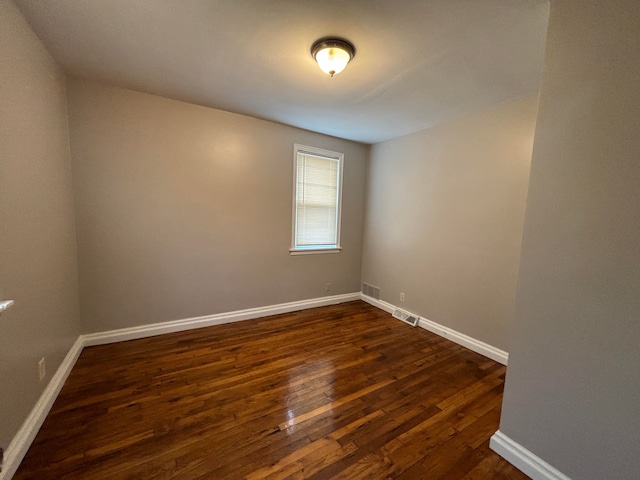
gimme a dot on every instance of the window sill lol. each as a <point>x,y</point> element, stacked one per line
<point>313,251</point>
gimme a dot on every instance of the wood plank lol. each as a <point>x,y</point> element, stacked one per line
<point>344,391</point>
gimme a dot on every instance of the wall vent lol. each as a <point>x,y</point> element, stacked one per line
<point>371,291</point>
<point>406,317</point>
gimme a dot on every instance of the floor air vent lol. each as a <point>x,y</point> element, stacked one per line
<point>371,291</point>
<point>406,317</point>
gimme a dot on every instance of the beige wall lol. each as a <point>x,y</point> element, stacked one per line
<point>185,211</point>
<point>573,386</point>
<point>37,236</point>
<point>444,219</point>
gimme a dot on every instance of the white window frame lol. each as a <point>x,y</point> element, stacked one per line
<point>315,249</point>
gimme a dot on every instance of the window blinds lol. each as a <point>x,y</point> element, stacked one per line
<point>317,199</point>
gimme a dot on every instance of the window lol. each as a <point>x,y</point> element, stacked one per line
<point>317,193</point>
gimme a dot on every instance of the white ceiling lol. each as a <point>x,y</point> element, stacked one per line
<point>418,62</point>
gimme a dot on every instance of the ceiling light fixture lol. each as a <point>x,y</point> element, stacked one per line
<point>332,54</point>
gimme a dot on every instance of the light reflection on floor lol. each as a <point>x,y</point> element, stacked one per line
<point>301,377</point>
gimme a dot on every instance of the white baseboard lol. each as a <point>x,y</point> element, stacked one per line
<point>523,459</point>
<point>381,304</point>
<point>143,331</point>
<point>18,447</point>
<point>22,441</point>
<point>477,346</point>
<point>471,343</point>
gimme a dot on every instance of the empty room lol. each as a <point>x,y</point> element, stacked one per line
<point>319,239</point>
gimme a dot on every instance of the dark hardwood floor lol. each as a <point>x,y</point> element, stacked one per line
<point>344,391</point>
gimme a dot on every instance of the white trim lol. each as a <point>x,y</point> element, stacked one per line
<point>523,459</point>
<point>314,251</point>
<point>143,331</point>
<point>381,304</point>
<point>21,442</point>
<point>471,343</point>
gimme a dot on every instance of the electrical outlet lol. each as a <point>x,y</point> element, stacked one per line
<point>327,287</point>
<point>42,369</point>
<point>402,296</point>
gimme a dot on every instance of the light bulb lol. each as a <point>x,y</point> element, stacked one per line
<point>332,55</point>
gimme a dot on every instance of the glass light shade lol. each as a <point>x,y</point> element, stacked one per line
<point>332,54</point>
<point>332,60</point>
